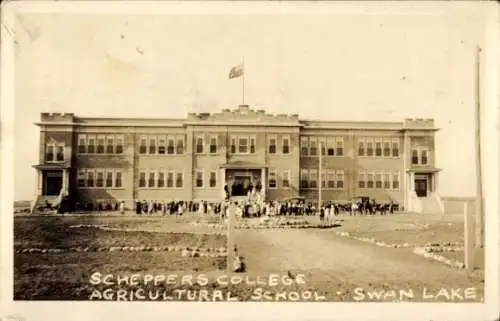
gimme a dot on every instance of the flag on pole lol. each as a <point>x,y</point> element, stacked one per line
<point>236,71</point>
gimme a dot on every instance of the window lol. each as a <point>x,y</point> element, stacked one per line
<point>252,145</point>
<point>361,180</point>
<point>304,178</point>
<point>170,179</point>
<point>369,148</point>
<point>80,182</point>
<point>91,145</point>
<point>313,148</point>
<point>161,179</point>
<point>313,178</point>
<point>161,145</point>
<point>330,145</point>
<point>387,180</point>
<point>109,178</point>
<point>340,147</point>
<point>414,157</point>
<point>395,181</point>
<point>82,142</point>
<point>49,153</point>
<point>304,146</point>
<point>378,180</point>
<point>423,157</point>
<point>286,145</point>
<point>272,178</point>
<point>242,145</point>
<point>387,149</point>
<point>170,146</point>
<point>199,144</point>
<point>199,179</point>
<point>142,179</point>
<point>330,179</point>
<point>233,145</point>
<point>118,179</point>
<point>340,179</point>
<point>361,148</point>
<point>90,178</point>
<point>213,145</point>
<point>99,182</point>
<point>395,149</point>
<point>213,179</point>
<point>286,178</point>
<point>100,144</point>
<point>151,179</point>
<point>272,145</point>
<point>110,145</point>
<point>180,145</point>
<point>378,148</point>
<point>369,183</point>
<point>119,145</point>
<point>60,152</point>
<point>152,145</point>
<point>179,179</point>
<point>143,146</point>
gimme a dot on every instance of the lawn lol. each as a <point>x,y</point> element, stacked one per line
<point>414,229</point>
<point>51,276</point>
<point>332,266</point>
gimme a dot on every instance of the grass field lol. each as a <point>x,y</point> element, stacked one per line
<point>322,264</point>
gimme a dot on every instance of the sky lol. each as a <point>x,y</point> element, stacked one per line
<point>381,65</point>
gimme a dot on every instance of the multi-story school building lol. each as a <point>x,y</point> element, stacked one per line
<point>114,159</point>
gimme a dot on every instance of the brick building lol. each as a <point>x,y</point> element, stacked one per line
<point>94,159</point>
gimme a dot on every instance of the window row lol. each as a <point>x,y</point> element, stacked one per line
<point>330,179</point>
<point>100,144</point>
<point>329,146</point>
<point>162,145</point>
<point>100,178</point>
<point>371,147</point>
<point>420,156</point>
<point>379,180</point>
<point>273,145</point>
<point>54,152</point>
<point>272,178</point>
<point>242,144</point>
<point>200,179</point>
<point>161,178</point>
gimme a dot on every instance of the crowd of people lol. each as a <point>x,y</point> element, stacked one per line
<point>251,208</point>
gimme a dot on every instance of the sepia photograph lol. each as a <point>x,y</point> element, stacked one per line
<point>252,153</point>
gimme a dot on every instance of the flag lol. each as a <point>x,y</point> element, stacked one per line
<point>236,71</point>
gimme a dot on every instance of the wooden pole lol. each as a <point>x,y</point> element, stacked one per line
<point>468,237</point>
<point>320,179</point>
<point>231,213</point>
<point>479,186</point>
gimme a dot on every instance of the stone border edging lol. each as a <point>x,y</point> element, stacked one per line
<point>186,251</point>
<point>422,251</point>
<point>435,247</point>
<point>117,229</point>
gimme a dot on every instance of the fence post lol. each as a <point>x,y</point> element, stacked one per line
<point>468,237</point>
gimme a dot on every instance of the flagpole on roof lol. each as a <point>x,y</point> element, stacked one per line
<point>243,79</point>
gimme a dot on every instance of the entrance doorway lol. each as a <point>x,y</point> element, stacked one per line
<point>421,187</point>
<point>52,182</point>
<point>240,185</point>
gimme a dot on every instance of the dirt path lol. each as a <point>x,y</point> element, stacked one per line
<point>333,262</point>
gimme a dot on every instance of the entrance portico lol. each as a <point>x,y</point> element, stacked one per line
<point>423,182</point>
<point>241,177</point>
<point>52,179</point>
